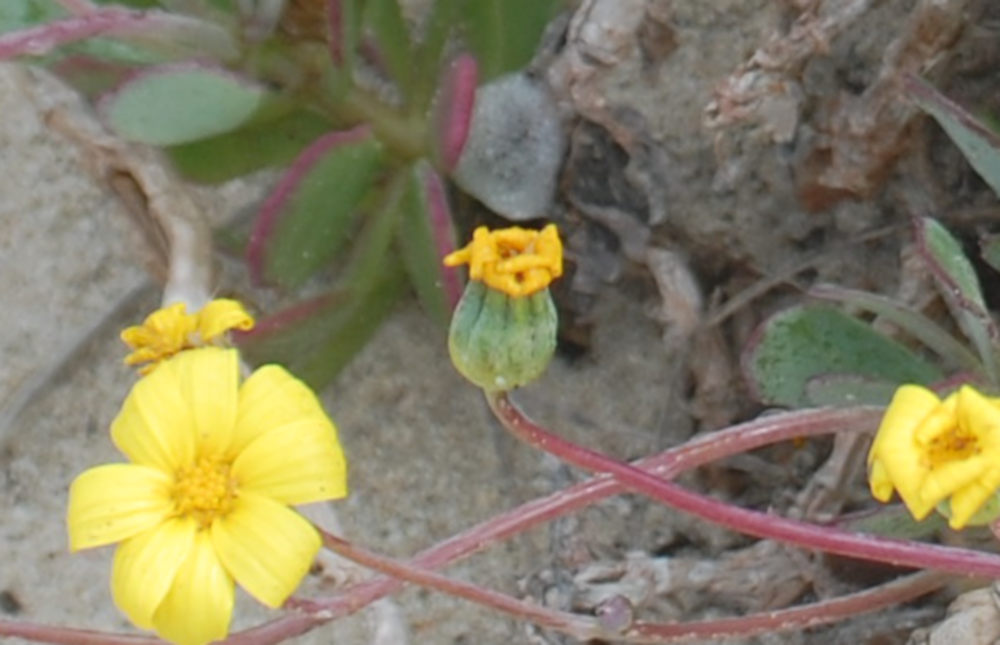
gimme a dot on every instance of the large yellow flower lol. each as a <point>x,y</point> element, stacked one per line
<point>172,329</point>
<point>215,466</point>
<point>932,450</point>
<point>514,260</point>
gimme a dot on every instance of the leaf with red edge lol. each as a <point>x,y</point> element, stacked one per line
<point>162,32</point>
<point>306,220</point>
<point>344,31</point>
<point>979,143</point>
<point>959,286</point>
<point>315,339</point>
<point>452,111</point>
<point>425,236</point>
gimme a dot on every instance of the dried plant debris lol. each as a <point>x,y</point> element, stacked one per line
<point>973,619</point>
<point>848,149</point>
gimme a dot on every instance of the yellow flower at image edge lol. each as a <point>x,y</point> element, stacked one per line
<point>171,329</point>
<point>205,501</point>
<point>931,450</point>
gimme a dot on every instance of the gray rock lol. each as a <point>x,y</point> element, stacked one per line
<point>515,147</point>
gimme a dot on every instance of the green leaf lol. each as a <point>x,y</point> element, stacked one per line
<point>989,249</point>
<point>392,40</point>
<point>352,327</point>
<point>316,339</point>
<point>914,323</point>
<point>430,49</point>
<point>18,14</point>
<point>503,34</point>
<point>306,220</point>
<point>848,390</point>
<point>805,342</point>
<point>959,286</point>
<point>180,103</point>
<point>251,148</point>
<point>895,521</point>
<point>425,235</point>
<point>979,144</point>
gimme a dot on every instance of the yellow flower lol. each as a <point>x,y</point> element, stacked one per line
<point>215,466</point>
<point>171,329</point>
<point>514,260</point>
<point>932,450</point>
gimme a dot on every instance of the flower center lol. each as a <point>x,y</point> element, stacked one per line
<point>955,444</point>
<point>205,490</point>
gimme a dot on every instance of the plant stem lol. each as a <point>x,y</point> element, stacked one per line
<point>896,552</point>
<point>580,627</point>
<point>404,134</point>
<point>585,628</point>
<point>69,636</point>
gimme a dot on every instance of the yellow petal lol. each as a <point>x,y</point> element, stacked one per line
<point>145,566</point>
<point>296,463</point>
<point>199,605</point>
<point>155,426</point>
<point>210,381</point>
<point>879,482</point>
<point>978,415</point>
<point>267,547</point>
<point>270,399</point>
<point>114,502</point>
<point>219,316</point>
<point>946,478</point>
<point>967,501</point>
<point>910,405</point>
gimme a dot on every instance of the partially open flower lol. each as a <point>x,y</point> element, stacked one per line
<point>931,450</point>
<point>503,331</point>
<point>171,329</point>
<point>215,467</point>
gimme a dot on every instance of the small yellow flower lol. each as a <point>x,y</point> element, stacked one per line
<point>514,260</point>
<point>932,450</point>
<point>214,467</point>
<point>171,329</point>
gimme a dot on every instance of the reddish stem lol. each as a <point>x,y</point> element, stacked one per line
<point>585,628</point>
<point>896,552</point>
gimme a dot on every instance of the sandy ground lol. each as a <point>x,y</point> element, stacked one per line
<point>426,459</point>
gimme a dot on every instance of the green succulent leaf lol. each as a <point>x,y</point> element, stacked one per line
<point>309,215</point>
<point>425,235</point>
<point>503,34</point>
<point>180,103</point>
<point>802,343</point>
<point>316,339</point>
<point>979,144</point>
<point>392,40</point>
<point>253,147</point>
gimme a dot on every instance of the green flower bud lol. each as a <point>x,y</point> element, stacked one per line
<point>499,341</point>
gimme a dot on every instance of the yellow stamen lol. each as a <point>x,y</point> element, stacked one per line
<point>514,260</point>
<point>205,491</point>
